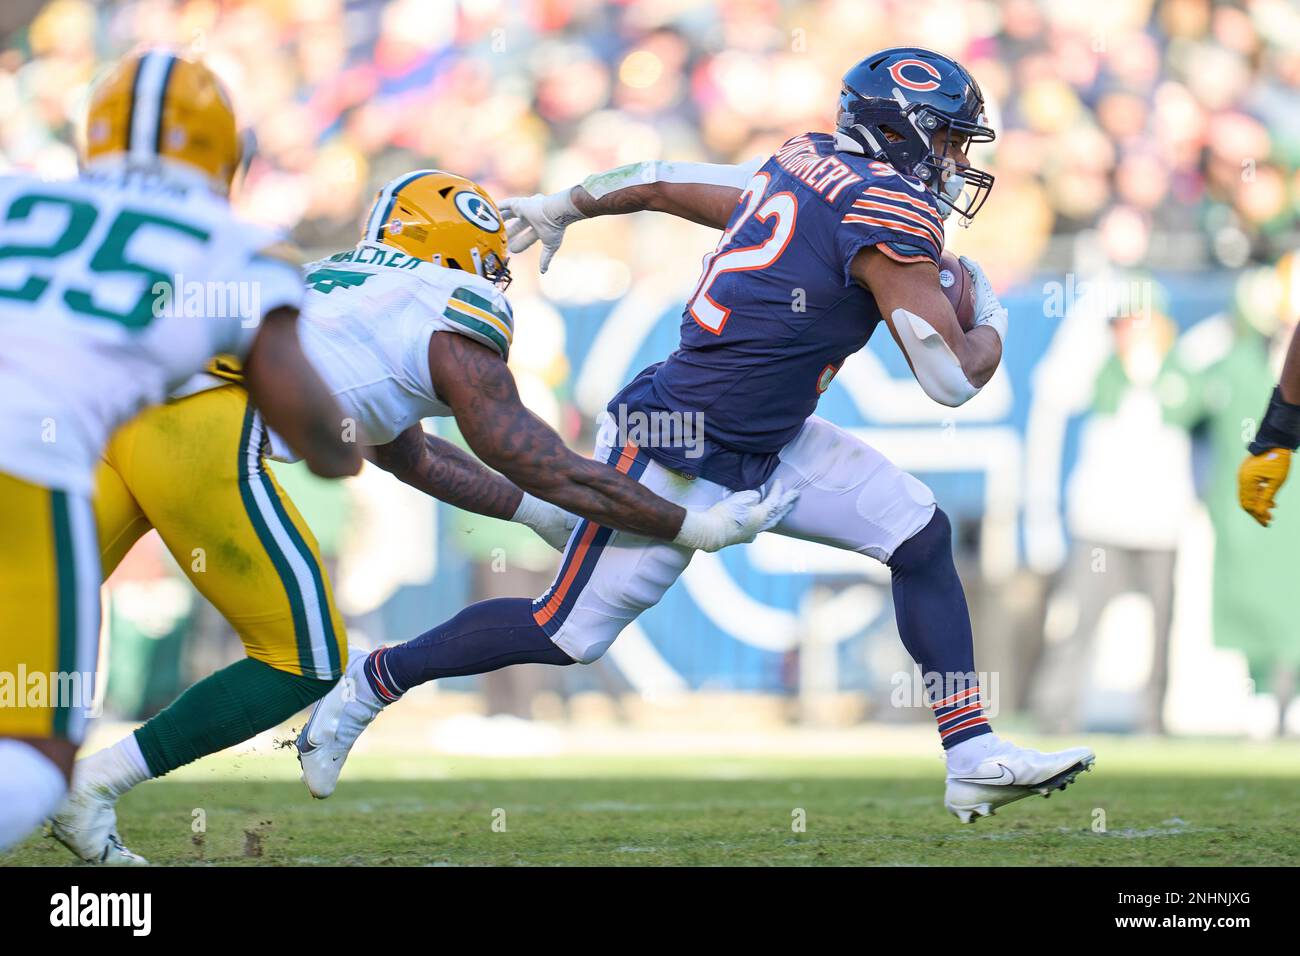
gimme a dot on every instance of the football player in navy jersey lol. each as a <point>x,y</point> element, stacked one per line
<point>853,220</point>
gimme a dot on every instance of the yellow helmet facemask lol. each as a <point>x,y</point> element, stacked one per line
<point>159,105</point>
<point>441,218</point>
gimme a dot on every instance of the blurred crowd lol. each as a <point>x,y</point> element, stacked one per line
<point>1162,130</point>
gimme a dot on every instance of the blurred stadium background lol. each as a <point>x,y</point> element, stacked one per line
<point>1148,186</point>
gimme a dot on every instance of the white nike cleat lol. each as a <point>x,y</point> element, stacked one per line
<point>87,825</point>
<point>1009,773</point>
<point>335,723</point>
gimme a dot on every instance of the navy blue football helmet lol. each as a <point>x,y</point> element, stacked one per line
<point>894,102</point>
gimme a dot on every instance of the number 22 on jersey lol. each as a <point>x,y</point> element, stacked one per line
<point>778,212</point>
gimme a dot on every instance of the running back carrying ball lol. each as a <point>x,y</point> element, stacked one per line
<point>956,285</point>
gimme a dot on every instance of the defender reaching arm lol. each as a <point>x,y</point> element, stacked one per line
<point>1266,468</point>
<point>704,193</point>
<point>476,383</point>
<point>440,469</point>
<point>478,386</point>
<point>293,399</point>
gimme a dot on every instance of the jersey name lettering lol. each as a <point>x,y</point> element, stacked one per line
<point>825,175</point>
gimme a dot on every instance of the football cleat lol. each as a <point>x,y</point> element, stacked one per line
<point>87,825</point>
<point>1010,773</point>
<point>333,727</point>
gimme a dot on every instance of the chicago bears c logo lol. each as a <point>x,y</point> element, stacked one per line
<point>921,86</point>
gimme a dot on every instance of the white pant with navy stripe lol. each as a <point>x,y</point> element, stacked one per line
<point>850,496</point>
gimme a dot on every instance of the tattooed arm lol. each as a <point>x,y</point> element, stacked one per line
<point>478,386</point>
<point>294,401</point>
<point>705,203</point>
<point>705,193</point>
<point>440,469</point>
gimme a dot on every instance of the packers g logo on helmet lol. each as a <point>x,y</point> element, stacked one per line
<point>158,105</point>
<point>478,210</point>
<point>441,218</point>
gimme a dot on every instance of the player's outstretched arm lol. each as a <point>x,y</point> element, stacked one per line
<point>476,383</point>
<point>705,193</point>
<point>296,404</point>
<point>1290,383</point>
<point>950,364</point>
<point>1265,469</point>
<point>440,469</point>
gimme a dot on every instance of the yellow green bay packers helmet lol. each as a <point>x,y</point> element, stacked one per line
<point>441,218</point>
<point>157,104</point>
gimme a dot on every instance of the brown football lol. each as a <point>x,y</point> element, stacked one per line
<point>956,285</point>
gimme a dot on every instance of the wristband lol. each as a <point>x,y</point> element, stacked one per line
<point>997,321</point>
<point>1280,427</point>
<point>531,511</point>
<point>696,532</point>
<point>559,208</point>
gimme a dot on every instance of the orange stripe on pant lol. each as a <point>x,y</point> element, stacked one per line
<point>626,458</point>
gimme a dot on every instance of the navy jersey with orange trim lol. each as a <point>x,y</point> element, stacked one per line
<point>776,312</point>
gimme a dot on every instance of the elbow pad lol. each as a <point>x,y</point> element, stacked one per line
<point>935,365</point>
<point>661,171</point>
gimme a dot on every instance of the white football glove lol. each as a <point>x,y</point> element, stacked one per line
<point>988,310</point>
<point>552,523</point>
<point>735,519</point>
<point>529,218</point>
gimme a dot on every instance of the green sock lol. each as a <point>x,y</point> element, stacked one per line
<point>233,705</point>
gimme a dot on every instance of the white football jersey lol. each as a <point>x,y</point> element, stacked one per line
<point>367,320</point>
<point>115,288</point>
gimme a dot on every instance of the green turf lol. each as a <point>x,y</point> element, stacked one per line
<point>1165,803</point>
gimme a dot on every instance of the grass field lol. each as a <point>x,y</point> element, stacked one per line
<point>1164,803</point>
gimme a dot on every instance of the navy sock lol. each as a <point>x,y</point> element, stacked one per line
<point>483,637</point>
<point>934,622</point>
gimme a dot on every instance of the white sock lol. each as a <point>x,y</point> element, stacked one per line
<point>969,754</point>
<point>359,690</point>
<point>31,788</point>
<point>114,770</point>
<point>363,694</point>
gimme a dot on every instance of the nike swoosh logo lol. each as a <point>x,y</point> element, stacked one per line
<point>1005,777</point>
